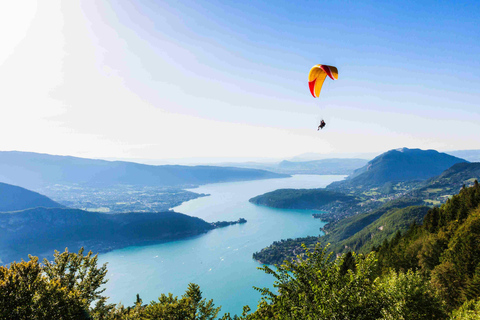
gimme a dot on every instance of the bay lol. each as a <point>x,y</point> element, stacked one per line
<point>220,261</point>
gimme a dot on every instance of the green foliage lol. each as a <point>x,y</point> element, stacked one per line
<point>282,250</point>
<point>470,310</point>
<point>27,293</point>
<point>189,307</point>
<point>409,296</point>
<point>71,286</point>
<point>318,287</point>
<point>446,249</point>
<point>79,272</point>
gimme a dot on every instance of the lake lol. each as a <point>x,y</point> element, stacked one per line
<point>219,261</point>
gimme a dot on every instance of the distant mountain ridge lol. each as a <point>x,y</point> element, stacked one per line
<point>35,170</point>
<point>469,155</point>
<point>399,165</point>
<point>338,166</point>
<point>13,198</point>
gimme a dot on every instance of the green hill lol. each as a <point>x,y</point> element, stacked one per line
<point>452,179</point>
<point>436,190</point>
<point>300,198</point>
<point>14,198</point>
<point>384,228</point>
<point>345,228</point>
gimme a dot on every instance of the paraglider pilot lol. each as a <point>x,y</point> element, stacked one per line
<point>322,124</point>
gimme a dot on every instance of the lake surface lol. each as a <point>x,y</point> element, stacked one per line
<point>220,261</point>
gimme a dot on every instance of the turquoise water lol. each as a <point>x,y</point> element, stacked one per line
<point>220,261</point>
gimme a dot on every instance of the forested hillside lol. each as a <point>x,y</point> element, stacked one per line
<point>300,198</point>
<point>39,231</point>
<point>445,248</point>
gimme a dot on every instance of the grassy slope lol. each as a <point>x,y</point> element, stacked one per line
<point>384,228</point>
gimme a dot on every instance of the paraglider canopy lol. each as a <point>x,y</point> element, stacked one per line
<point>317,76</point>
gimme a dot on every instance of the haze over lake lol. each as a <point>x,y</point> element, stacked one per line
<point>220,261</point>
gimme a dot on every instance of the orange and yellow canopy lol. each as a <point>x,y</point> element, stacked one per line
<point>317,76</point>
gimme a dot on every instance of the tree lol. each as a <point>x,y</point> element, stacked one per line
<point>409,296</point>
<point>190,306</point>
<point>26,293</point>
<point>318,287</point>
<point>80,273</point>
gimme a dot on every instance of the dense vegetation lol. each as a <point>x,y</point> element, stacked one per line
<point>70,288</point>
<point>315,287</point>
<point>300,198</point>
<point>445,249</point>
<point>391,222</point>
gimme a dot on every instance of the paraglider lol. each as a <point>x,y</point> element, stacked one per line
<point>321,125</point>
<point>316,78</point>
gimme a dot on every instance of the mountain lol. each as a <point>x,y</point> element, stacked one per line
<point>469,155</point>
<point>324,166</point>
<point>13,198</point>
<point>396,166</point>
<point>311,156</point>
<point>39,231</point>
<point>34,170</point>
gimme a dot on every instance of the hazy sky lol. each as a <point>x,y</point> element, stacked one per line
<point>174,79</point>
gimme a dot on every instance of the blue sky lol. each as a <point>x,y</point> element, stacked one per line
<point>228,79</point>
